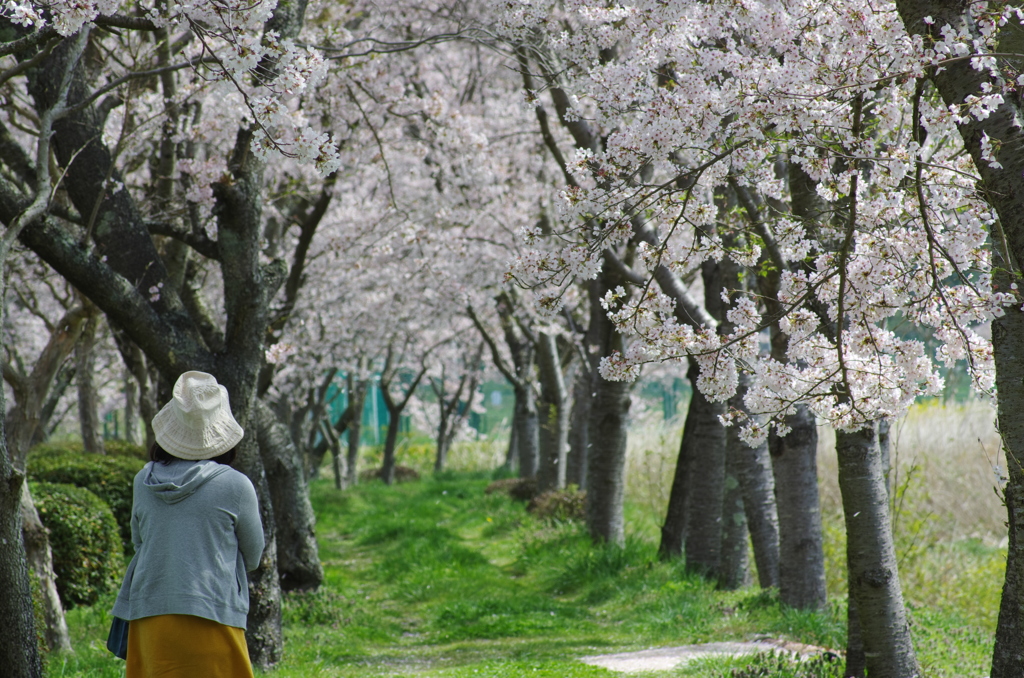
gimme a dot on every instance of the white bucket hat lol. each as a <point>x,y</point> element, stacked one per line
<point>197,422</point>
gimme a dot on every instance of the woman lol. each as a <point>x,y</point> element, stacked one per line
<point>196,529</point>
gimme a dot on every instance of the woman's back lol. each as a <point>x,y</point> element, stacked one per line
<point>196,531</point>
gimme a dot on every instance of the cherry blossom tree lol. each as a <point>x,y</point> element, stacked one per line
<point>693,97</point>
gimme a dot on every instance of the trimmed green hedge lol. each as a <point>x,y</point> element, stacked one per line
<point>109,477</point>
<point>87,554</point>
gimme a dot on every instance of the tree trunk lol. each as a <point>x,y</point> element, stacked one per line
<point>387,467</point>
<point>608,429</point>
<point>40,561</point>
<point>553,416</point>
<point>871,557</point>
<point>754,472</point>
<point>88,398</point>
<point>30,413</point>
<point>123,263</point>
<point>333,442</point>
<point>955,82</point>
<point>677,515</point>
<point>135,364</point>
<point>441,442</point>
<point>707,482</point>
<point>131,408</point>
<point>579,428</point>
<point>527,428</point>
<point>1008,342</point>
<point>511,462</point>
<point>358,389</point>
<point>298,559</point>
<point>734,567</point>
<point>801,559</point>
<point>19,650</point>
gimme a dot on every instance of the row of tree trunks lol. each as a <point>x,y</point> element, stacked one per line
<point>454,408</point>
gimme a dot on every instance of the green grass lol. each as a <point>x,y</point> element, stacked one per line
<point>435,578</point>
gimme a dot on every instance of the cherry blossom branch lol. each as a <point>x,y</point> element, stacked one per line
<point>197,240</point>
<point>135,75</point>
<point>406,45</point>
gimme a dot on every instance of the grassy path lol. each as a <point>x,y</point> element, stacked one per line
<point>437,578</point>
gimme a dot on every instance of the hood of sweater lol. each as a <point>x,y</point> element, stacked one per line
<point>180,479</point>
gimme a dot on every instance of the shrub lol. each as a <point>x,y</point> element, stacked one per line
<point>109,477</point>
<point>567,504</point>
<point>403,474</point>
<point>87,555</point>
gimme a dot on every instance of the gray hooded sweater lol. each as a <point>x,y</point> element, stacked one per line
<point>196,529</point>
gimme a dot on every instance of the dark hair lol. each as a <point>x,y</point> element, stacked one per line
<point>159,454</point>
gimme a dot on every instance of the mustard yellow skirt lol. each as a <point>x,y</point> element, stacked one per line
<point>183,646</point>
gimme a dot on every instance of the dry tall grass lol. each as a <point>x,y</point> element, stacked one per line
<point>944,464</point>
<point>949,521</point>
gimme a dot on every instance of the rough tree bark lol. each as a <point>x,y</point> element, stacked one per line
<point>579,425</point>
<point>794,458</point>
<point>40,561</point>
<point>871,557</point>
<point>1008,343</point>
<point>19,652</point>
<point>608,429</point>
<point>754,472</point>
<point>801,558</point>
<point>707,481</point>
<point>298,560</point>
<point>734,565</point>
